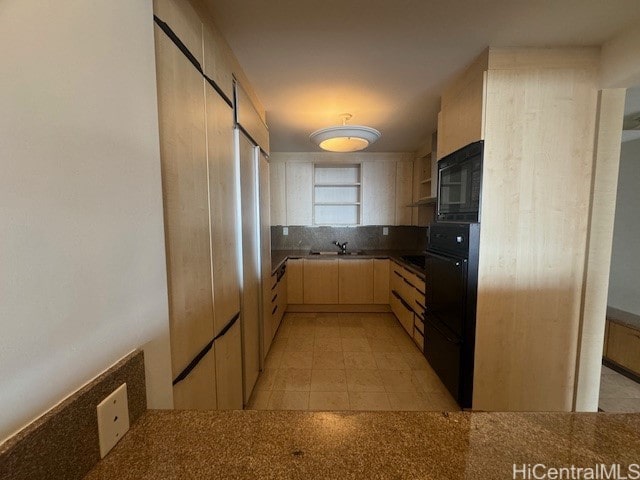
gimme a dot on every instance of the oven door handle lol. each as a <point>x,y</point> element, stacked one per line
<point>456,261</point>
<point>441,332</point>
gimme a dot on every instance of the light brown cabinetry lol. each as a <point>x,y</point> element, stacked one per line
<point>217,62</point>
<point>461,119</point>
<point>200,210</point>
<point>295,281</point>
<point>380,281</point>
<point>536,111</point>
<point>183,156</point>
<point>407,300</point>
<point>320,282</point>
<point>355,281</point>
<point>198,390</point>
<point>184,21</point>
<point>299,194</point>
<point>277,299</point>
<point>623,346</point>
<point>378,192</point>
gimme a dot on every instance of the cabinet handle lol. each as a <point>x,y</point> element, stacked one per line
<point>193,363</point>
<point>274,298</point>
<point>274,310</point>
<point>227,327</point>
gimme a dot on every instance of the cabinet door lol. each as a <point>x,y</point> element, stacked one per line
<point>461,119</point>
<point>278,193</point>
<point>320,282</point>
<point>378,193</point>
<point>184,21</point>
<point>380,281</point>
<point>217,62</point>
<point>198,390</point>
<point>299,188</point>
<point>623,346</point>
<point>228,351</point>
<point>181,115</point>
<point>251,270</point>
<point>223,209</point>
<point>355,281</point>
<point>295,282</point>
<point>265,253</point>
<point>404,191</point>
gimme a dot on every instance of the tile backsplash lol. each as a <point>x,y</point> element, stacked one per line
<point>360,238</point>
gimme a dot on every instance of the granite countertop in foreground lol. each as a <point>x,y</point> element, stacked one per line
<point>344,445</point>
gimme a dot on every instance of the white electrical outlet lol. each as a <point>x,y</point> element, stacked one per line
<point>113,419</point>
<point>285,230</point>
<point>385,230</point>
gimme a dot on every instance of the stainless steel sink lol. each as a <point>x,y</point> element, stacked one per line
<point>334,253</point>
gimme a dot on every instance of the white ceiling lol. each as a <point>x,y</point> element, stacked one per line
<point>386,61</point>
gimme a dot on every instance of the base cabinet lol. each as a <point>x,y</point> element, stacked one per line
<point>355,281</point>
<point>320,282</point>
<point>623,346</point>
<point>295,281</point>
<point>380,281</point>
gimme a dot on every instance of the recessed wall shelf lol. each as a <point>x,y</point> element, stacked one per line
<point>337,194</point>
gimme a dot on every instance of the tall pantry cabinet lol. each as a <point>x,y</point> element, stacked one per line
<point>536,111</point>
<point>200,192</point>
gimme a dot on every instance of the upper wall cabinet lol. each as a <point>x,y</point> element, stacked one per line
<point>378,193</point>
<point>217,61</point>
<point>461,118</point>
<point>365,189</point>
<point>249,119</point>
<point>299,194</point>
<point>184,21</point>
<point>278,193</point>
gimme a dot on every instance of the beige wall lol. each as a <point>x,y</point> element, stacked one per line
<point>83,278</point>
<point>624,286</point>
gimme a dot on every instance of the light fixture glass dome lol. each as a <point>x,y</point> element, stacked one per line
<point>345,138</point>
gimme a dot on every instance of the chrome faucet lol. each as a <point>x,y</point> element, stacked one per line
<point>342,247</point>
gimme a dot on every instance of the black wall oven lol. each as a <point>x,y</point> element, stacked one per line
<point>451,270</point>
<point>460,185</point>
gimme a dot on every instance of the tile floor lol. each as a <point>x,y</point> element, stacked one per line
<point>341,361</point>
<point>618,393</point>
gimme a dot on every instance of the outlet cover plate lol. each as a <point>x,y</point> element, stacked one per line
<point>285,230</point>
<point>113,419</point>
<point>385,230</point>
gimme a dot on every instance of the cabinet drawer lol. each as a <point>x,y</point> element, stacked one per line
<point>415,281</point>
<point>404,314</point>
<point>418,337</point>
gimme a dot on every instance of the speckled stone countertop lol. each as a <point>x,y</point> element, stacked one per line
<point>371,445</point>
<point>278,257</point>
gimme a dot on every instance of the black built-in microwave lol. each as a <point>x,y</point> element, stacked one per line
<point>460,185</point>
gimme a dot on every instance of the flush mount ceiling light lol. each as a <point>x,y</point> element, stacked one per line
<point>345,138</point>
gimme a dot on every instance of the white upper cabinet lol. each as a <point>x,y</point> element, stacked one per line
<point>278,193</point>
<point>378,193</point>
<point>299,193</point>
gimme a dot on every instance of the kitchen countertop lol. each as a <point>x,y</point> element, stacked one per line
<point>341,445</point>
<point>278,257</point>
